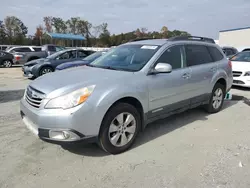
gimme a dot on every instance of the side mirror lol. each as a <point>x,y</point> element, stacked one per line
<point>162,68</point>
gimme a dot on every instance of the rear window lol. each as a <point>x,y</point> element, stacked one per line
<point>197,55</point>
<point>228,51</point>
<point>2,54</point>
<point>216,54</point>
<point>52,48</point>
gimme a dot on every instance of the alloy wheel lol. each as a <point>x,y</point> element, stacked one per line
<point>217,98</point>
<point>122,129</point>
<point>7,64</point>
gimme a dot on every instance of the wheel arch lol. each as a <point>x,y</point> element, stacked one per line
<point>44,66</point>
<point>223,82</point>
<point>132,101</point>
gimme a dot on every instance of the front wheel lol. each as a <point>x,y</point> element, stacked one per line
<point>7,63</point>
<point>217,98</point>
<point>119,128</point>
<point>45,70</point>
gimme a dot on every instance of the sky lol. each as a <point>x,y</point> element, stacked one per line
<point>198,17</point>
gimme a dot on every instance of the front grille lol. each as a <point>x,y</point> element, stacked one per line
<point>34,97</point>
<point>237,73</point>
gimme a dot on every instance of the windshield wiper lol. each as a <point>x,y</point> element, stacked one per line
<point>110,68</point>
<point>89,65</point>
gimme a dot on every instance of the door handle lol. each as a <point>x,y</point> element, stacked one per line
<point>185,75</point>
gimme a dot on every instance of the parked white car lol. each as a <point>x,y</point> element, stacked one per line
<point>241,69</point>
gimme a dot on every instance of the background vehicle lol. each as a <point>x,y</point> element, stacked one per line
<point>246,49</point>
<point>36,68</point>
<point>229,51</point>
<point>115,96</point>
<point>23,54</point>
<point>6,59</point>
<point>81,62</point>
<point>241,69</point>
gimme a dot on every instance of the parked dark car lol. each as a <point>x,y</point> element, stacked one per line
<point>81,62</point>
<point>23,54</point>
<point>36,68</point>
<point>6,59</point>
<point>229,51</point>
<point>246,49</point>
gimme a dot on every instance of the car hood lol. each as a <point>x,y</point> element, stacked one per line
<point>71,64</point>
<point>36,61</point>
<point>61,82</point>
<point>240,66</point>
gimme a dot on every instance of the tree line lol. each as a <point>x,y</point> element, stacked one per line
<point>14,32</point>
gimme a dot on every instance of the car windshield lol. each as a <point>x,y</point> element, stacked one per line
<point>93,56</point>
<point>126,57</point>
<point>54,55</point>
<point>242,56</point>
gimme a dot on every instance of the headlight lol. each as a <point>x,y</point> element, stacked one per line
<point>72,99</point>
<point>247,74</point>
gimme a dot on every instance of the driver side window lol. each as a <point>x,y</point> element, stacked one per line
<point>173,56</point>
<point>68,55</point>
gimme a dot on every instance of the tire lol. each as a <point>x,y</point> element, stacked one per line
<point>7,63</point>
<point>45,70</point>
<point>216,99</point>
<point>119,131</point>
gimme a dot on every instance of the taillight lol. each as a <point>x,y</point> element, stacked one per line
<point>230,64</point>
<point>18,57</point>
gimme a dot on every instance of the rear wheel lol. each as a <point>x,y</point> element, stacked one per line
<point>7,63</point>
<point>45,70</point>
<point>216,99</point>
<point>119,128</point>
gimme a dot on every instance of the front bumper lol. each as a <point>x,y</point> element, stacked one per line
<point>46,122</point>
<point>27,72</point>
<point>243,81</point>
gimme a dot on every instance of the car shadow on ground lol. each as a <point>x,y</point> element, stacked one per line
<point>152,131</point>
<point>11,95</point>
<point>241,88</point>
<point>13,66</point>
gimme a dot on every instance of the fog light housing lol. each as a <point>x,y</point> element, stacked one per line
<point>63,135</point>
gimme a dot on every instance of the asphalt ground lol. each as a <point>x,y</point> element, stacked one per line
<point>191,149</point>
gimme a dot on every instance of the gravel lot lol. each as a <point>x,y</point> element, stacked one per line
<point>193,149</point>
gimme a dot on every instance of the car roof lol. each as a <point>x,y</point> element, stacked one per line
<point>179,39</point>
<point>228,47</point>
<point>158,42</point>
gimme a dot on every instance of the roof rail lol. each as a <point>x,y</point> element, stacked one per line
<point>192,38</point>
<point>139,39</point>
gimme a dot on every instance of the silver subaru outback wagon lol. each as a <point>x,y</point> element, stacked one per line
<point>113,98</point>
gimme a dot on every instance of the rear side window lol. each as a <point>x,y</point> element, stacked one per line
<point>2,54</point>
<point>197,55</point>
<point>3,47</point>
<point>216,54</point>
<point>21,50</point>
<point>81,54</point>
<point>37,49</point>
